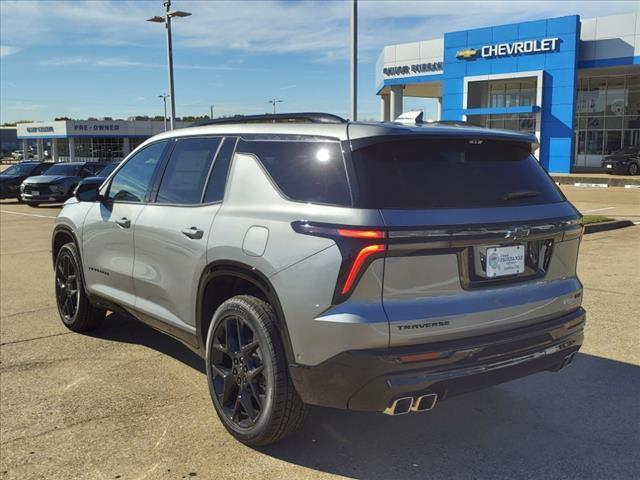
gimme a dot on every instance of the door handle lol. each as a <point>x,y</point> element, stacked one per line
<point>124,222</point>
<point>193,232</point>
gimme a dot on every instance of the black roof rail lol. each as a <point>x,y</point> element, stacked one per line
<point>303,117</point>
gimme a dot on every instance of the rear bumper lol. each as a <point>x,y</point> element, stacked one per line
<point>615,167</point>
<point>371,380</point>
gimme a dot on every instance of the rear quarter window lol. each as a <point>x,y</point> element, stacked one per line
<point>312,172</point>
<point>450,173</point>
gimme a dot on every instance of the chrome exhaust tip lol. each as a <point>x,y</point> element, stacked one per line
<point>424,403</point>
<point>399,406</point>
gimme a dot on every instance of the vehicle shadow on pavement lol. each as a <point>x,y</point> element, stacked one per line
<point>578,423</point>
<point>120,329</point>
<point>581,422</point>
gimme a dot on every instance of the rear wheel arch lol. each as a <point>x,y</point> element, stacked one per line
<point>222,280</point>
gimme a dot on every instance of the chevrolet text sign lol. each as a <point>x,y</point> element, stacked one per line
<point>513,48</point>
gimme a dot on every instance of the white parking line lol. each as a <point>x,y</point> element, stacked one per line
<point>599,209</point>
<point>26,214</point>
<point>593,185</point>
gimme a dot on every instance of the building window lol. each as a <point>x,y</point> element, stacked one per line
<point>608,117</point>
<point>518,92</point>
<point>519,122</point>
<point>107,149</point>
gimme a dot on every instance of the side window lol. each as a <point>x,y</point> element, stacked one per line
<point>187,169</point>
<point>218,178</point>
<point>311,171</point>
<point>132,181</point>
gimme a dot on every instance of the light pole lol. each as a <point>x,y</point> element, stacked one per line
<point>273,102</point>
<point>166,19</point>
<point>354,60</point>
<point>164,100</point>
<point>211,107</point>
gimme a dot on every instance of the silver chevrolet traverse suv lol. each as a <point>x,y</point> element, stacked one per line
<point>315,261</point>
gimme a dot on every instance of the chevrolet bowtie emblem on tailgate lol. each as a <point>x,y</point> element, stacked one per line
<point>517,233</point>
<point>467,53</point>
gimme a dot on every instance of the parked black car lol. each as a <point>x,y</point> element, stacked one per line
<point>59,182</point>
<point>626,161</point>
<point>13,176</point>
<point>101,176</point>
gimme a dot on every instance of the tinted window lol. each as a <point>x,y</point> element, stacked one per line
<point>41,168</point>
<point>218,179</point>
<point>20,169</point>
<point>187,170</point>
<point>106,171</point>
<point>132,181</point>
<point>458,173</point>
<point>67,170</point>
<point>304,171</point>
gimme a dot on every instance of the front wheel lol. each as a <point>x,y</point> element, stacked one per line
<point>247,373</point>
<point>633,169</point>
<point>76,312</point>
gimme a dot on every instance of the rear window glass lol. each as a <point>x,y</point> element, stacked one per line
<point>460,173</point>
<point>311,171</point>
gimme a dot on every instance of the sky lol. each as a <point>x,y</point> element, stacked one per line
<point>85,59</point>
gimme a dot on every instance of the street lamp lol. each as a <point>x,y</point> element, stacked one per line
<point>164,100</point>
<point>273,102</point>
<point>166,19</point>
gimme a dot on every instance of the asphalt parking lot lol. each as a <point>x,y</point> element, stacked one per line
<point>128,403</point>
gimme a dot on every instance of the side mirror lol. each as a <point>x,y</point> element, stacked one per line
<point>88,190</point>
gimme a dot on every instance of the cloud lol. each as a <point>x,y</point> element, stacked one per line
<point>62,61</point>
<point>6,50</point>
<point>319,28</point>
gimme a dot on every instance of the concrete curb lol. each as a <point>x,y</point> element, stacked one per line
<point>596,181</point>
<point>604,226</point>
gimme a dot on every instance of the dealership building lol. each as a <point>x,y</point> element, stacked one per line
<point>573,82</point>
<point>103,140</point>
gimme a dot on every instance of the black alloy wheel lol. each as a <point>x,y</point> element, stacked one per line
<point>67,288</point>
<point>75,309</point>
<point>248,374</point>
<point>633,169</point>
<point>237,368</point>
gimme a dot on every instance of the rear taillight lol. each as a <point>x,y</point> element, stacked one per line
<point>358,246</point>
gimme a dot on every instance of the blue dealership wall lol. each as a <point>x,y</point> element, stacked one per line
<point>559,78</point>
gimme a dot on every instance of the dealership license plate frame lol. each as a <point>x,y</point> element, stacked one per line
<point>504,261</point>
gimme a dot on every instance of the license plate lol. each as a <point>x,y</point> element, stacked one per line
<point>502,261</point>
<point>35,193</point>
<point>609,166</point>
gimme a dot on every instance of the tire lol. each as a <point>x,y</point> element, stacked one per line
<point>255,365</point>
<point>74,308</point>
<point>633,169</point>
<point>19,199</point>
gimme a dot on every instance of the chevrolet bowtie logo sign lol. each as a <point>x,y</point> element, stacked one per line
<point>467,53</point>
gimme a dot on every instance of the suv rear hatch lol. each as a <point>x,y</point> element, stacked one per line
<point>480,239</point>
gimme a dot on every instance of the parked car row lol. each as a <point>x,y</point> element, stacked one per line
<point>34,182</point>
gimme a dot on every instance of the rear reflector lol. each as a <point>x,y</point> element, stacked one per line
<point>420,357</point>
